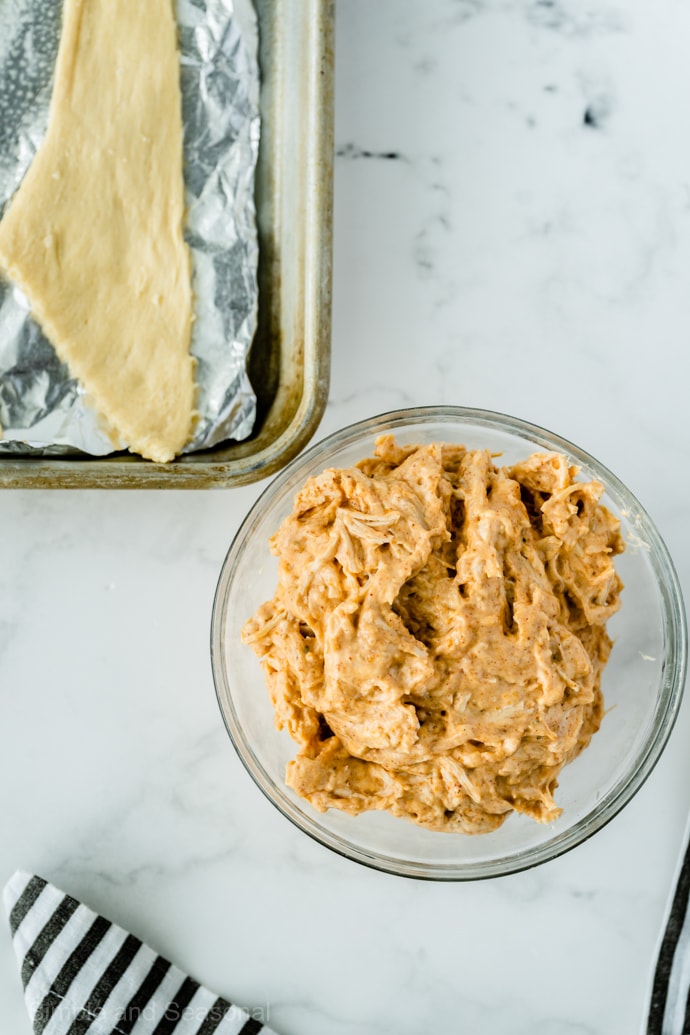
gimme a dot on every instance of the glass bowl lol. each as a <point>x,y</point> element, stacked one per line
<point>642,683</point>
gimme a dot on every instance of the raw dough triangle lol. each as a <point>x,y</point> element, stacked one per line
<point>93,236</point>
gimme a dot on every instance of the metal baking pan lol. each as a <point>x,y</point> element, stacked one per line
<point>289,362</point>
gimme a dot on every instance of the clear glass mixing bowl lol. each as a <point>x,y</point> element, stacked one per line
<point>642,683</point>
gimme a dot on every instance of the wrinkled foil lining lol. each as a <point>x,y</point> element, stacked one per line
<point>43,410</point>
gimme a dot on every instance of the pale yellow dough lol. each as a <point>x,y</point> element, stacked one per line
<point>93,236</point>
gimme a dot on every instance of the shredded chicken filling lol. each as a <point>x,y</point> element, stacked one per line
<point>437,636</point>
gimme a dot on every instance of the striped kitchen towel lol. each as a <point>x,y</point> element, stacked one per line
<point>83,975</point>
<point>669,1007</point>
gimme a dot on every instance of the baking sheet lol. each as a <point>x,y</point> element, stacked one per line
<point>289,362</point>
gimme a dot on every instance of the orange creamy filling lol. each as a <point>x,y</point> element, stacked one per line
<point>437,636</point>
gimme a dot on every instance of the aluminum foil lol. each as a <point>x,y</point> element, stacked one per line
<point>42,408</point>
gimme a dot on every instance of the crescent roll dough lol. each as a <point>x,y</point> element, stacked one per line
<point>93,236</point>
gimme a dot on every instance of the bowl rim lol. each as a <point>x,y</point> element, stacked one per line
<point>670,691</point>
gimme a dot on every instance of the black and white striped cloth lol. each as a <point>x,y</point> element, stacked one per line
<point>83,975</point>
<point>669,1007</point>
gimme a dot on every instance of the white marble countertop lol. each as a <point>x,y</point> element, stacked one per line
<point>512,231</point>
